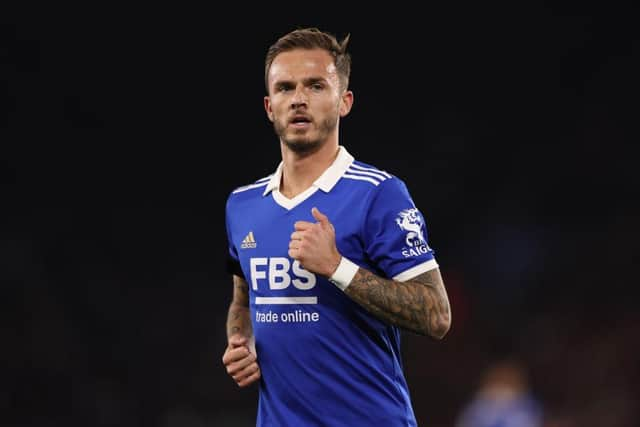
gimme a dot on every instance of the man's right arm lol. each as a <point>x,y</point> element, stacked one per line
<point>240,355</point>
<point>238,319</point>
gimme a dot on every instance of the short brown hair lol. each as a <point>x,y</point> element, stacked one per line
<point>312,38</point>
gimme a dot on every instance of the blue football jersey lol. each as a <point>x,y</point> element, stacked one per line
<point>325,360</point>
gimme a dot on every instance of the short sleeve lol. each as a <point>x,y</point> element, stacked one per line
<point>395,233</point>
<point>232,265</point>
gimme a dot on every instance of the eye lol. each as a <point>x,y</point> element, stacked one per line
<point>317,86</point>
<point>283,88</point>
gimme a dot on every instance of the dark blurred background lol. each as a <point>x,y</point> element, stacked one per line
<point>124,129</point>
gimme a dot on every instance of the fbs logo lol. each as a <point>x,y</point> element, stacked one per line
<point>249,242</point>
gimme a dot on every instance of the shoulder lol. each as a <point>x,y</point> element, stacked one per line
<point>257,184</point>
<point>257,187</point>
<point>366,173</point>
<point>378,191</point>
<point>372,185</point>
<point>382,180</point>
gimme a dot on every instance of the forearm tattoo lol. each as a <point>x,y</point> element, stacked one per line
<point>419,305</point>
<point>238,318</point>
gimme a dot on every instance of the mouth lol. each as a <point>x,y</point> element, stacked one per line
<point>300,121</point>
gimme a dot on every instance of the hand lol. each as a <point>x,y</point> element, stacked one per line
<point>314,245</point>
<point>240,362</point>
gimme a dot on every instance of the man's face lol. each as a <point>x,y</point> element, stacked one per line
<point>305,100</point>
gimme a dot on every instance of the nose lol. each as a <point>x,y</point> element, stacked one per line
<point>299,98</point>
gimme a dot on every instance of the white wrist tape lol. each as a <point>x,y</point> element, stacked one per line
<point>344,273</point>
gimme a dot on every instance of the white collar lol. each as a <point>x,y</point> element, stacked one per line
<point>326,181</point>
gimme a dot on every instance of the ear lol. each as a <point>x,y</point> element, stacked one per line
<point>346,101</point>
<point>267,108</point>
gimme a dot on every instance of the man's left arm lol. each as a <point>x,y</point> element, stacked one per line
<point>420,305</point>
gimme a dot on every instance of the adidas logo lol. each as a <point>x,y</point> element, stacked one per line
<point>248,242</point>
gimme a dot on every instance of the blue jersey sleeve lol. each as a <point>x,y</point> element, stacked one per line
<point>233,261</point>
<point>395,233</point>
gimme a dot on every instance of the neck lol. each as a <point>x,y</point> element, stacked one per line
<point>299,171</point>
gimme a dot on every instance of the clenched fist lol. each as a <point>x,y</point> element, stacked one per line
<point>314,245</point>
<point>240,361</point>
